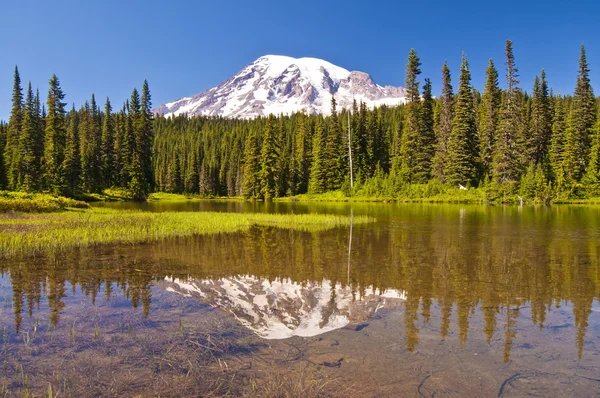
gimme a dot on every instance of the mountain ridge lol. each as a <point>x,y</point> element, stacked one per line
<point>280,84</point>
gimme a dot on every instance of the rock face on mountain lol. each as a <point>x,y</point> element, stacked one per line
<point>279,84</point>
<point>282,308</point>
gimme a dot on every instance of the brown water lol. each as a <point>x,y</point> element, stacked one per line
<point>431,300</point>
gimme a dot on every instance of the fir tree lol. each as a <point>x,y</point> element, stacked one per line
<point>412,123</point>
<point>174,182</point>
<point>109,167</point>
<point>541,121</point>
<point>557,144</point>
<point>72,161</point>
<point>27,159</point>
<point>318,178</point>
<point>508,155</point>
<point>462,161</point>
<point>192,179</point>
<point>300,159</point>
<point>137,183</point>
<point>3,133</point>
<point>444,127</point>
<point>488,124</point>
<point>426,138</point>
<point>145,138</point>
<point>251,180</point>
<point>335,162</point>
<point>15,125</point>
<point>269,155</point>
<point>55,140</point>
<point>591,179</point>
<point>581,123</point>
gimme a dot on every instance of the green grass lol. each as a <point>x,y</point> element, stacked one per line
<point>450,196</point>
<point>36,202</point>
<point>30,234</point>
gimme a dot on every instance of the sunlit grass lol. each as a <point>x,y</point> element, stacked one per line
<point>35,202</point>
<point>34,233</point>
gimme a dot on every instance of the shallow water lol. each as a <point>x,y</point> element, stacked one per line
<point>444,300</point>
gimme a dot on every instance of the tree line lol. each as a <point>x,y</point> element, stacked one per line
<point>539,145</point>
<point>47,148</point>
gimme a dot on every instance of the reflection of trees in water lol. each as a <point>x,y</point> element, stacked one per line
<point>479,259</point>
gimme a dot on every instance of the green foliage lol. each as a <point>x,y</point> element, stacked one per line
<point>488,118</point>
<point>461,166</point>
<point>269,155</point>
<point>507,161</point>
<point>36,203</point>
<point>444,125</point>
<point>55,141</point>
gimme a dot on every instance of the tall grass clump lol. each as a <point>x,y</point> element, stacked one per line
<point>36,233</point>
<point>36,202</point>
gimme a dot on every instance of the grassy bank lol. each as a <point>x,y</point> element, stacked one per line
<point>24,233</point>
<point>475,196</point>
<point>36,202</point>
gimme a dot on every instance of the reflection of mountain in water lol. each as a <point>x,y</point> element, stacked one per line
<point>283,308</point>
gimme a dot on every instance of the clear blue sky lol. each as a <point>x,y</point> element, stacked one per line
<point>184,47</point>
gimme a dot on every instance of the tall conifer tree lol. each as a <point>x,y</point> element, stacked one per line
<point>582,119</point>
<point>444,127</point>
<point>269,156</point>
<point>463,147</point>
<point>109,167</point>
<point>507,159</point>
<point>412,122</point>
<point>72,161</point>
<point>15,125</point>
<point>489,115</point>
<point>55,139</point>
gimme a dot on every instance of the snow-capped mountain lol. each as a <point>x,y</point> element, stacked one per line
<point>283,308</point>
<point>279,84</point>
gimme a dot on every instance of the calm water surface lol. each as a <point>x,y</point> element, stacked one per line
<point>431,300</point>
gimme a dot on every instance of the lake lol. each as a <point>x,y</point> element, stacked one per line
<point>430,300</point>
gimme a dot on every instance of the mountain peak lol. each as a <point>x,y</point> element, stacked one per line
<point>281,84</point>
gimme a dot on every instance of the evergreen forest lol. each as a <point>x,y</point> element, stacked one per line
<point>508,142</point>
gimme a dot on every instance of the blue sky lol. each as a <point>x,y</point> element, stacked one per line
<point>184,47</point>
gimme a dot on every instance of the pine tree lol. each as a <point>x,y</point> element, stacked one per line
<point>591,179</point>
<point>426,138</point>
<point>541,121</point>
<point>489,115</point>
<point>507,158</point>
<point>463,147</point>
<point>318,178</point>
<point>55,140</point>
<point>206,186</point>
<point>581,123</point>
<point>109,167</point>
<point>192,179</point>
<point>145,138</point>
<point>136,125</point>
<point>444,127</point>
<point>300,159</point>
<point>3,133</point>
<point>559,131</point>
<point>251,180</point>
<point>27,160</point>
<point>72,161</point>
<point>15,125</point>
<point>269,155</point>
<point>335,162</point>
<point>174,181</point>
<point>412,123</point>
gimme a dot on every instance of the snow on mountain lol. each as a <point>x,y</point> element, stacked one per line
<point>283,308</point>
<point>279,84</point>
